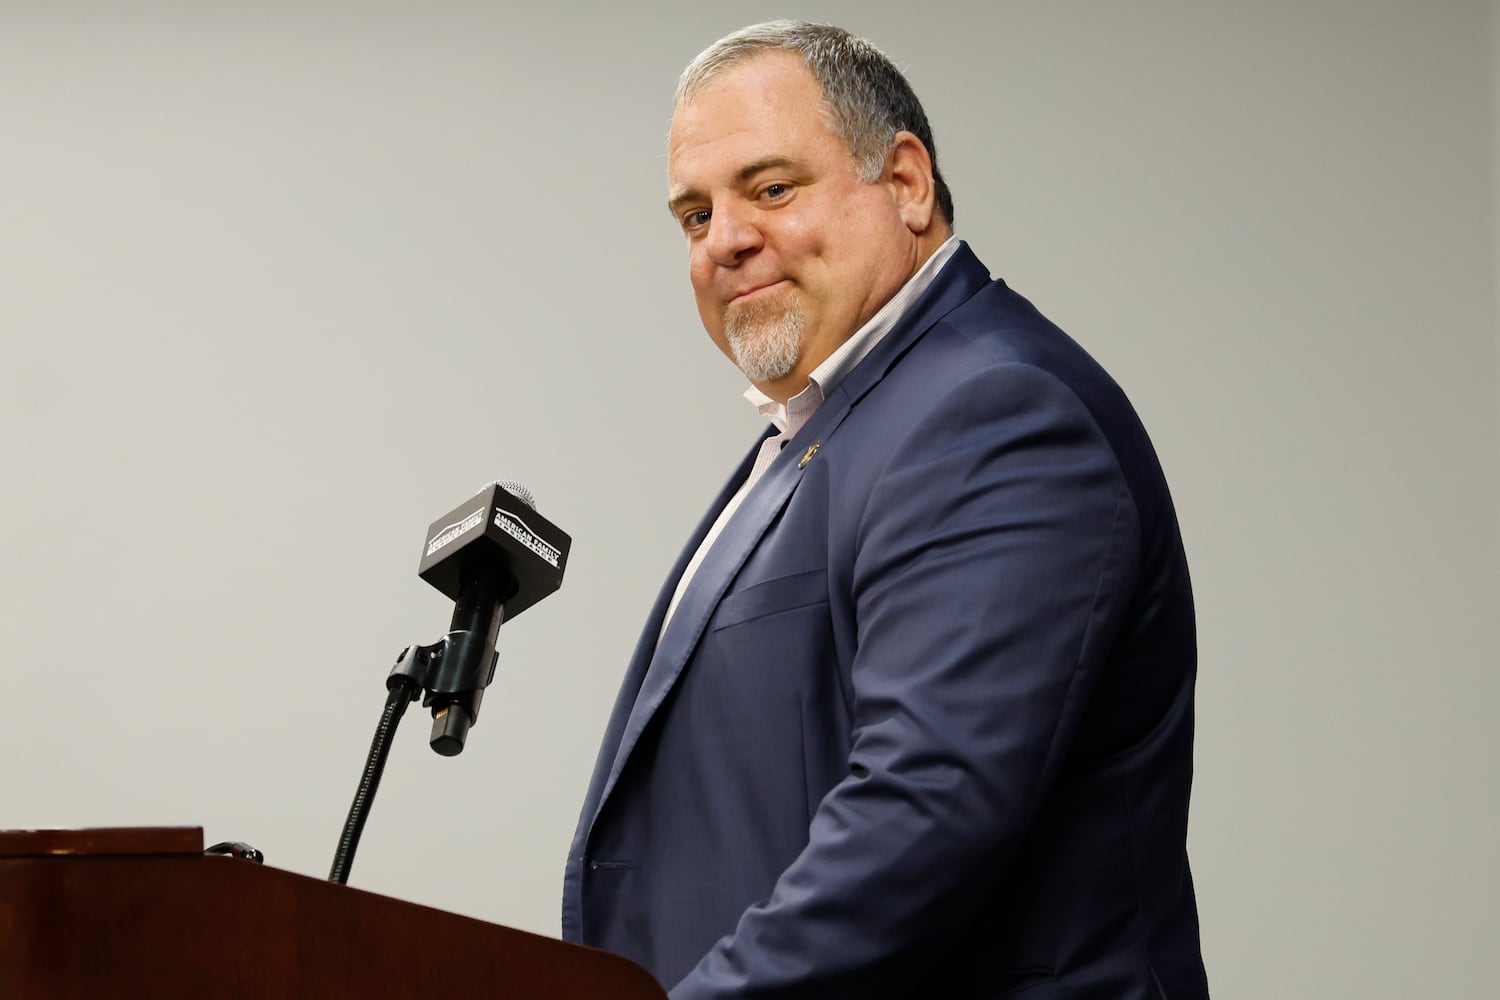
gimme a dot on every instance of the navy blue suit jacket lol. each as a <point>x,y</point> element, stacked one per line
<point>922,723</point>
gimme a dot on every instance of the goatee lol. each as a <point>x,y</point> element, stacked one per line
<point>765,337</point>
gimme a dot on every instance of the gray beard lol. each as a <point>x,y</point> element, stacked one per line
<point>765,338</point>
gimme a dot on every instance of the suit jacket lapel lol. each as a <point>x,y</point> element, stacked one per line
<point>645,647</point>
<point>715,573</point>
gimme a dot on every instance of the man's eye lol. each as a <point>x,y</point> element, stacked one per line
<point>774,191</point>
<point>695,220</point>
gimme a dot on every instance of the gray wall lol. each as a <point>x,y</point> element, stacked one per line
<point>279,284</point>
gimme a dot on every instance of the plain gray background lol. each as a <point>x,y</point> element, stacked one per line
<point>282,283</point>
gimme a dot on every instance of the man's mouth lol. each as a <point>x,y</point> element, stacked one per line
<point>754,291</point>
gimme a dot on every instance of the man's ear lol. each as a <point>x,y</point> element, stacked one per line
<point>909,174</point>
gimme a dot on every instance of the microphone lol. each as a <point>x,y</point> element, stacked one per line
<point>494,556</point>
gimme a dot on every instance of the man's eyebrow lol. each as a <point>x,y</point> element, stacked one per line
<point>682,196</point>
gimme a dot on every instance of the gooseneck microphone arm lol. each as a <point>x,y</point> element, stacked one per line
<point>495,556</point>
<point>403,691</point>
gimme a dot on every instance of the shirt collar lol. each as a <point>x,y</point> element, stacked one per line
<point>826,377</point>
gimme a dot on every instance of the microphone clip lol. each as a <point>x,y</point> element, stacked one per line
<point>418,669</point>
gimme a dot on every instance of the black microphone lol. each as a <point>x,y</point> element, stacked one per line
<point>495,556</point>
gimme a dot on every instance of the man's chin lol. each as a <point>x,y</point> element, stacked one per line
<point>764,337</point>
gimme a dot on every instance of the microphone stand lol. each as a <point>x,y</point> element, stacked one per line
<point>405,683</point>
<point>494,560</point>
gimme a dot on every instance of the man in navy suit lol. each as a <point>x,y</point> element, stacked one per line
<point>913,714</point>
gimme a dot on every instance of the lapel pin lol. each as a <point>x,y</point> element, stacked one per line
<point>812,450</point>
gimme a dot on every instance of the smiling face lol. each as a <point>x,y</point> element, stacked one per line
<point>789,252</point>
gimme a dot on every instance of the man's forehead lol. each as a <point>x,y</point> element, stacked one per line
<point>762,90</point>
<point>758,112</point>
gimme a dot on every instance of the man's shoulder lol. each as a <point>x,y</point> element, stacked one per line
<point>996,338</point>
<point>978,319</point>
<point>995,332</point>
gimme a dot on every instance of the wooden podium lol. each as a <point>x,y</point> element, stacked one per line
<point>144,913</point>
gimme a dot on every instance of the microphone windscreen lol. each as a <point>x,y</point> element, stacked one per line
<point>520,492</point>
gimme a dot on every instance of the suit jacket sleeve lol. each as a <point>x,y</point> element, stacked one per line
<point>997,551</point>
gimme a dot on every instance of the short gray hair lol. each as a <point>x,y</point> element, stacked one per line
<point>867,100</point>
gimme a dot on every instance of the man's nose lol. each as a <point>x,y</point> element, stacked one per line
<point>732,235</point>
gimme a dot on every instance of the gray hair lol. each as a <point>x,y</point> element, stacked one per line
<point>866,99</point>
